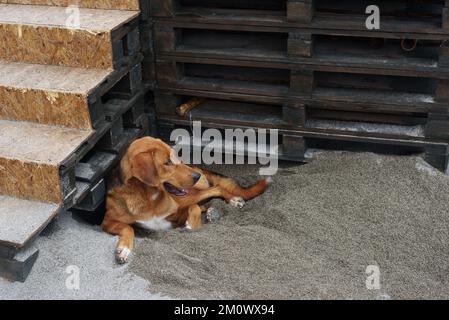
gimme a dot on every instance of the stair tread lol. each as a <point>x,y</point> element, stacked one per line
<point>21,220</point>
<point>89,19</point>
<point>36,143</point>
<point>95,4</point>
<point>50,78</point>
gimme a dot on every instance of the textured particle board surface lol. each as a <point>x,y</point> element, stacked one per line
<point>44,94</point>
<point>56,46</point>
<point>89,19</point>
<point>39,35</point>
<point>93,4</point>
<point>44,107</point>
<point>20,220</point>
<point>30,180</point>
<point>30,156</point>
<point>50,78</point>
<point>35,143</point>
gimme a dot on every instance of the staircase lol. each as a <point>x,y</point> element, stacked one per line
<point>71,94</point>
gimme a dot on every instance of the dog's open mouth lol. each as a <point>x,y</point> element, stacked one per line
<point>174,191</point>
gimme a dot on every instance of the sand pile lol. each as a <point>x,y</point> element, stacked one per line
<point>313,235</point>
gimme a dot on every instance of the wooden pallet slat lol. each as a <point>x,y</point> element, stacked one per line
<point>387,126</point>
<point>419,17</point>
<point>291,48</point>
<point>308,86</point>
<point>436,153</point>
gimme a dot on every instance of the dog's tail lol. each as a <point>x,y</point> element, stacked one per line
<point>231,187</point>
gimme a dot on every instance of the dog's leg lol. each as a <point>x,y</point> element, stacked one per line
<point>126,243</point>
<point>234,200</point>
<point>200,196</point>
<point>194,218</point>
<point>232,192</point>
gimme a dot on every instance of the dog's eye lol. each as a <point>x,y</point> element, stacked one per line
<point>169,163</point>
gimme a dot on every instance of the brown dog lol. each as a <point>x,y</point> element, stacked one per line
<point>159,192</point>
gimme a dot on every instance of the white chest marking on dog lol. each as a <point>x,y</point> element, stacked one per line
<point>155,224</point>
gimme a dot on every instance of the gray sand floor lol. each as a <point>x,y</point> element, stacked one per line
<point>312,235</point>
<point>69,243</point>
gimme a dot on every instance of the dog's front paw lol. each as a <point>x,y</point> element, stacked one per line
<point>122,255</point>
<point>213,215</point>
<point>237,202</point>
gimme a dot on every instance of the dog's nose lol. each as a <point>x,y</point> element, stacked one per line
<point>196,177</point>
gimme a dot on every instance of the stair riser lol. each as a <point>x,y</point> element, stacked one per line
<point>132,5</point>
<point>56,46</point>
<point>30,181</point>
<point>54,108</point>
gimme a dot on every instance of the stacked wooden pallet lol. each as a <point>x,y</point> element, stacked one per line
<point>71,100</point>
<point>310,68</point>
<point>148,63</point>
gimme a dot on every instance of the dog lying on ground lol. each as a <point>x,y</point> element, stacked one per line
<point>159,192</point>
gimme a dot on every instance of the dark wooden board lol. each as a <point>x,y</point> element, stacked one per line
<point>293,49</point>
<point>306,86</point>
<point>398,17</point>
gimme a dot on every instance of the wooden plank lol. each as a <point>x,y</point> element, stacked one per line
<point>52,95</point>
<point>436,152</point>
<point>411,94</point>
<point>398,16</point>
<point>132,5</point>
<point>295,48</point>
<point>23,220</point>
<point>336,135</point>
<point>96,30</point>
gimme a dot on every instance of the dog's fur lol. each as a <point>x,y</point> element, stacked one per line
<point>160,192</point>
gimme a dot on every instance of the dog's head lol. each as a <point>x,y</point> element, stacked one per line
<point>155,164</point>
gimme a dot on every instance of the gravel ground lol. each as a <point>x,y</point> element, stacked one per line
<point>68,243</point>
<point>311,236</point>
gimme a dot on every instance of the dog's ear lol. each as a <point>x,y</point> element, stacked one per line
<point>142,168</point>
